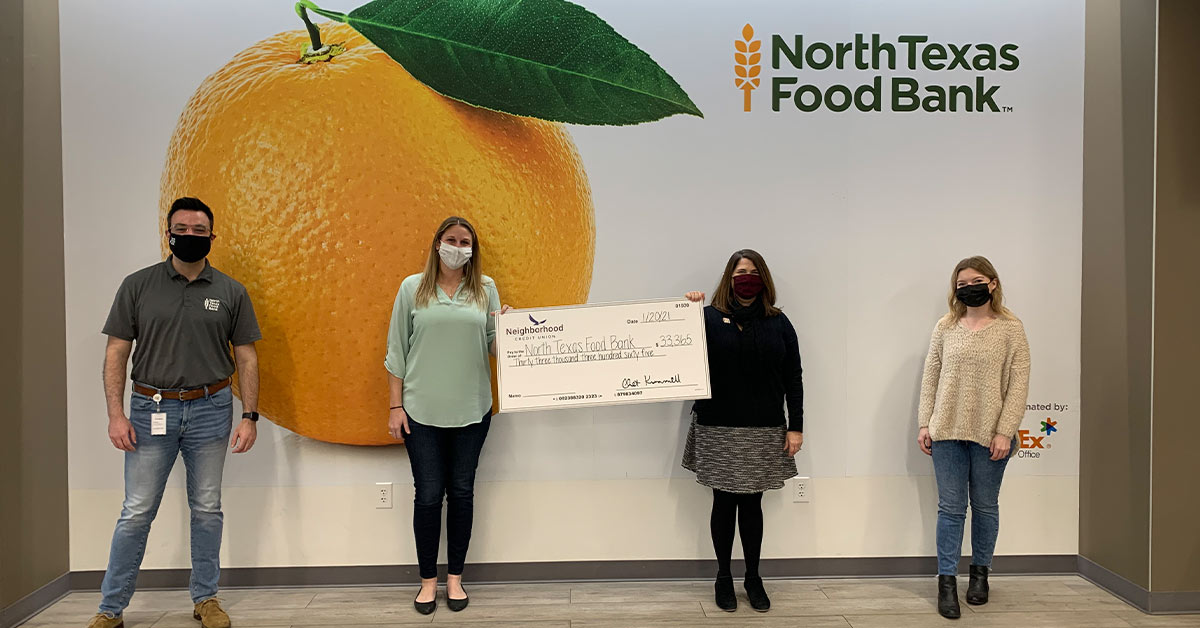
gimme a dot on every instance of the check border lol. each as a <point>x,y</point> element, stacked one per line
<point>703,344</point>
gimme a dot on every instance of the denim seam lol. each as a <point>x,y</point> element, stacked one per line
<point>126,593</point>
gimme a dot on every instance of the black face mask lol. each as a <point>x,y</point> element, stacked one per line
<point>974,295</point>
<point>189,248</point>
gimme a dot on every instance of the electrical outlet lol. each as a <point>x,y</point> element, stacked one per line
<point>801,490</point>
<point>383,494</point>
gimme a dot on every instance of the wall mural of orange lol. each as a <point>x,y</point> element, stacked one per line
<point>331,154</point>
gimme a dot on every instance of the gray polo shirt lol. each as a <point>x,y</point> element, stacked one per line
<point>182,330</point>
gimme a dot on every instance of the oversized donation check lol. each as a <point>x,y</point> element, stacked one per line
<point>602,354</point>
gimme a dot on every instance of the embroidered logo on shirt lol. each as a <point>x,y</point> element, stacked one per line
<point>212,305</point>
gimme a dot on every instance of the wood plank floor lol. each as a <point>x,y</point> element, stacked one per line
<point>1016,601</point>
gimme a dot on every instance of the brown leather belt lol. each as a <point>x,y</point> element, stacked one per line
<point>182,394</point>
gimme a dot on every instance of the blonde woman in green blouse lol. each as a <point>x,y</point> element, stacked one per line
<point>972,401</point>
<point>443,329</point>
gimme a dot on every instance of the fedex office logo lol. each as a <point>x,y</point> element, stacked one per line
<point>1032,443</point>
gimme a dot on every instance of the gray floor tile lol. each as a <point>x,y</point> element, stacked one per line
<point>1095,619</point>
<point>613,592</point>
<point>733,621</point>
<point>1028,602</point>
<point>818,608</point>
<point>1139,619</point>
<point>544,612</point>
<point>80,619</point>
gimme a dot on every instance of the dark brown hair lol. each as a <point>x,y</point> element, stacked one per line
<point>189,203</point>
<point>723,297</point>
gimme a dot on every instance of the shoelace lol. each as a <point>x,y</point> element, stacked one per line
<point>209,602</point>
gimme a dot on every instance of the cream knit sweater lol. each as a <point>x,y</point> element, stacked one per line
<point>975,382</point>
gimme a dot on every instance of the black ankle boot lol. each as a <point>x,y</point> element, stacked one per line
<point>977,588</point>
<point>726,599</point>
<point>757,594</point>
<point>948,597</point>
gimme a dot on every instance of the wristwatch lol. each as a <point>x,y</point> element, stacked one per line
<point>253,416</point>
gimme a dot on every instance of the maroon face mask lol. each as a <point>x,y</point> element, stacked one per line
<point>747,286</point>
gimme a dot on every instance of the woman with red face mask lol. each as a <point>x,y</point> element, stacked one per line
<point>741,443</point>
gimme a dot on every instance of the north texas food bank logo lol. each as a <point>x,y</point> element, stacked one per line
<point>873,53</point>
<point>749,63</point>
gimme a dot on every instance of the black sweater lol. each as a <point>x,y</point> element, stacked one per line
<point>752,372</point>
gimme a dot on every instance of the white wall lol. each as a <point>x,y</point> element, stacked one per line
<point>861,217</point>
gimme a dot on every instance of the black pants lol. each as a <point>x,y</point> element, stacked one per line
<point>443,466</point>
<point>744,510</point>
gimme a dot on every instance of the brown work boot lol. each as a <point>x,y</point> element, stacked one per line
<point>103,620</point>
<point>210,614</point>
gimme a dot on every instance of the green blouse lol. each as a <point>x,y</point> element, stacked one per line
<point>440,350</point>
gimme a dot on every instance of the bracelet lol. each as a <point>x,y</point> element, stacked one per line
<point>396,408</point>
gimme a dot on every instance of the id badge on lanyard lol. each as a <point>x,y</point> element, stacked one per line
<point>158,420</point>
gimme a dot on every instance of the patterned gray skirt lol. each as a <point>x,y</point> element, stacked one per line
<point>738,459</point>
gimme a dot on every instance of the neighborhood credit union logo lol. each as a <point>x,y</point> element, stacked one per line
<point>796,62</point>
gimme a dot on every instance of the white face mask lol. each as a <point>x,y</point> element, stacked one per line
<point>453,256</point>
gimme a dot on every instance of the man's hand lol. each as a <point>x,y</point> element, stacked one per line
<point>244,436</point>
<point>121,433</point>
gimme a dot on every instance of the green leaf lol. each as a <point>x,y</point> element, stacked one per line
<point>548,59</point>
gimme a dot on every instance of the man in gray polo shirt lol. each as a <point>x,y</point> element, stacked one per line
<point>179,319</point>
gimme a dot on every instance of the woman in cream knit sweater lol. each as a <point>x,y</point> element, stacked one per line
<point>972,401</point>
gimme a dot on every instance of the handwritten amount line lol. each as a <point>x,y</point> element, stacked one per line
<point>631,358</point>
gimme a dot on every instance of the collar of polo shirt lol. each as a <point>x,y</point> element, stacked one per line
<point>205,274</point>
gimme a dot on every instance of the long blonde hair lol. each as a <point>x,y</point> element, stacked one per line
<point>472,275</point>
<point>984,267</point>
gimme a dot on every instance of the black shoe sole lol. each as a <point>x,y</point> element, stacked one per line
<point>977,602</point>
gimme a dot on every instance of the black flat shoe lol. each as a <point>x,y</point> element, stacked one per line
<point>726,599</point>
<point>425,608</point>
<point>948,597</point>
<point>977,588</point>
<point>457,605</point>
<point>757,594</point>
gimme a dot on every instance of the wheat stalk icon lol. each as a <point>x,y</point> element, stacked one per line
<point>748,67</point>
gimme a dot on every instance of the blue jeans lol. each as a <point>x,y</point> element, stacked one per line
<point>443,466</point>
<point>964,469</point>
<point>199,429</point>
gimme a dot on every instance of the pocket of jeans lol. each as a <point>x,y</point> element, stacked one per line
<point>140,403</point>
<point>222,398</point>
